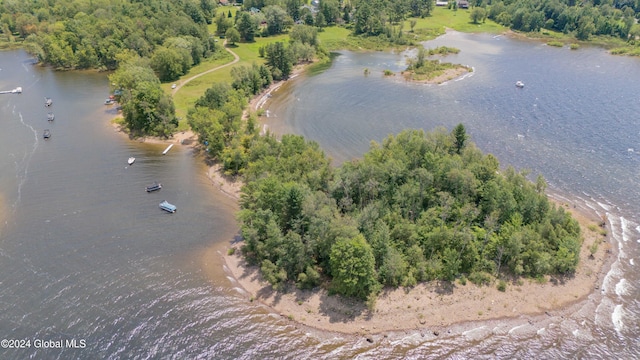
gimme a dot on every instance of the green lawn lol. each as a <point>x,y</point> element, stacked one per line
<point>186,97</point>
<point>442,18</point>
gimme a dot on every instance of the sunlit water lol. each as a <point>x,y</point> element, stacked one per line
<point>86,254</point>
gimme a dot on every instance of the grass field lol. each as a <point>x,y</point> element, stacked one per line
<point>332,38</point>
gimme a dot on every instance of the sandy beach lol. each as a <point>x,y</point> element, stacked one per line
<point>431,305</point>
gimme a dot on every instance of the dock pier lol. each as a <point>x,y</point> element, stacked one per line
<point>17,90</point>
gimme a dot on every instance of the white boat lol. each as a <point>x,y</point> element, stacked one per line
<point>131,160</point>
<point>166,206</point>
<point>519,84</point>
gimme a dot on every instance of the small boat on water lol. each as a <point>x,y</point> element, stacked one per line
<point>48,101</point>
<point>131,160</point>
<point>46,134</point>
<point>166,206</point>
<point>50,116</point>
<point>154,187</point>
<point>519,84</point>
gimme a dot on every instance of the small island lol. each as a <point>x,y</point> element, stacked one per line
<point>422,69</point>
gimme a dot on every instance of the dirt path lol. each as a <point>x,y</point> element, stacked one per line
<point>236,58</point>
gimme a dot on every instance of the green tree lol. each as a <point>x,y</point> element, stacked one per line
<point>304,34</point>
<point>232,35</point>
<point>168,64</point>
<point>478,15</point>
<point>206,124</point>
<point>279,59</point>
<point>247,26</point>
<point>223,23</point>
<point>320,20</point>
<point>460,137</point>
<point>293,9</point>
<point>353,268</point>
<point>277,19</point>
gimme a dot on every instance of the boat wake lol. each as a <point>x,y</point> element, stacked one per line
<point>22,165</point>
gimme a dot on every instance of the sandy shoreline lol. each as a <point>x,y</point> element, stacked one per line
<point>435,306</point>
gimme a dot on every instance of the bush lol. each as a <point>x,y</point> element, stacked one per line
<point>480,278</point>
<point>502,286</point>
<point>463,280</point>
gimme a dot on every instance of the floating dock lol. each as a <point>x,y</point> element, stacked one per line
<point>167,149</point>
<point>17,90</point>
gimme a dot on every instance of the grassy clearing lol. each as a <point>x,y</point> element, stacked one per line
<point>186,97</point>
<point>458,20</point>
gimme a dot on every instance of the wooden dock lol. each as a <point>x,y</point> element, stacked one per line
<point>167,149</point>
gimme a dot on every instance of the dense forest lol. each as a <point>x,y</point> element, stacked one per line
<point>615,18</point>
<point>90,34</point>
<point>418,207</point>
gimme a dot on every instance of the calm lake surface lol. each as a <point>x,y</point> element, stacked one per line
<point>86,254</point>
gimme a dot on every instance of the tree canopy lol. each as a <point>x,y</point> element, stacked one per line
<point>418,207</point>
<point>90,34</point>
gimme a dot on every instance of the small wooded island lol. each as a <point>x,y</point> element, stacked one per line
<point>422,69</point>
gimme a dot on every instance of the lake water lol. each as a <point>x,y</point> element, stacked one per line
<point>86,254</point>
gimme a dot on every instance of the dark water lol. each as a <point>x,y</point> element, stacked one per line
<point>86,254</point>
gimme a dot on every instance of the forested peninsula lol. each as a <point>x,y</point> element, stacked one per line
<point>418,207</point>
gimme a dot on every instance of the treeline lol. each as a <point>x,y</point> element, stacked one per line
<point>417,207</point>
<point>146,42</point>
<point>384,18</point>
<point>217,115</point>
<point>611,18</point>
<point>81,34</point>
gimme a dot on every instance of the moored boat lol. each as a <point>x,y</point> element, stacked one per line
<point>48,101</point>
<point>131,160</point>
<point>50,116</point>
<point>46,134</point>
<point>154,187</point>
<point>166,206</point>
